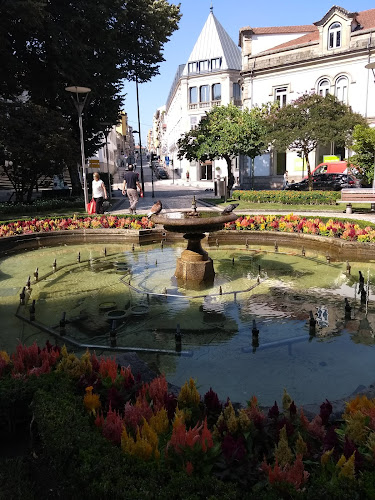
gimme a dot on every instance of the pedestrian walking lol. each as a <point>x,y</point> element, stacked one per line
<point>99,193</point>
<point>131,183</point>
<point>285,181</point>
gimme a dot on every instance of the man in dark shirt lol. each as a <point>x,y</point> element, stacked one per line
<point>131,183</point>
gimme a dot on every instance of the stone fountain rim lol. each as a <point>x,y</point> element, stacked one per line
<point>194,221</point>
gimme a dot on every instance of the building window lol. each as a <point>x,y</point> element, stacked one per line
<point>237,91</point>
<point>194,122</point>
<point>216,92</point>
<point>215,63</point>
<point>334,36</point>
<point>206,171</point>
<point>280,95</point>
<point>324,87</point>
<point>204,93</point>
<point>193,95</point>
<point>193,67</point>
<point>341,89</point>
<point>203,66</point>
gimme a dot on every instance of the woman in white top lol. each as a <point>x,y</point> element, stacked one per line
<point>98,193</point>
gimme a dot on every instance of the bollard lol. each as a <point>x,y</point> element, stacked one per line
<point>255,343</point>
<point>348,267</point>
<point>156,262</point>
<point>348,309</point>
<point>328,259</point>
<point>32,311</point>
<point>63,323</point>
<point>113,333</point>
<point>312,320</point>
<point>220,291</point>
<point>54,265</point>
<point>133,247</point>
<point>217,242</point>
<point>105,252</point>
<point>22,296</point>
<point>79,257</point>
<point>247,244</point>
<point>28,283</point>
<point>303,252</point>
<point>36,274</point>
<point>254,330</point>
<point>276,247</point>
<point>233,261</point>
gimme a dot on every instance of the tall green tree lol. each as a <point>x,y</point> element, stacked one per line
<point>364,148</point>
<point>46,45</point>
<point>225,132</point>
<point>35,142</point>
<point>311,120</point>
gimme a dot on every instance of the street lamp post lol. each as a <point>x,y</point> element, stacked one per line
<point>80,104</point>
<point>139,132</point>
<point>106,131</point>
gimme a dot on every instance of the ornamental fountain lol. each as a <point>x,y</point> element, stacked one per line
<point>194,264</point>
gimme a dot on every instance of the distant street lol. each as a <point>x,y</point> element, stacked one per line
<point>173,195</point>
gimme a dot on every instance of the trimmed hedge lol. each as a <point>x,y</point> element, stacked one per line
<point>41,204</point>
<point>289,197</point>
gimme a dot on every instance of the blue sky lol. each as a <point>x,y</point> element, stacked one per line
<point>233,15</point>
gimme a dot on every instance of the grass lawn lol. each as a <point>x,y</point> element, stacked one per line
<point>245,205</point>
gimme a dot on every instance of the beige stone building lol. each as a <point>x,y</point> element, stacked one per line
<point>282,63</point>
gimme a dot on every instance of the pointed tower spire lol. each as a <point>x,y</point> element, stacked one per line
<point>212,7</point>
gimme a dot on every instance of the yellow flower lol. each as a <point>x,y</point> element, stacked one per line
<point>179,418</point>
<point>4,356</point>
<point>347,468</point>
<point>359,403</point>
<point>230,417</point>
<point>189,396</point>
<point>356,428</point>
<point>287,400</point>
<point>243,420</point>
<point>325,457</point>
<point>159,422</point>
<point>283,453</point>
<point>341,462</point>
<point>91,401</point>
<point>301,446</point>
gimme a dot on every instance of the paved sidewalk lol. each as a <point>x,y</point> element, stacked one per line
<point>180,196</point>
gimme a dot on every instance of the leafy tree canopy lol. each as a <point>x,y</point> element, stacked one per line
<point>311,120</point>
<point>225,132</point>
<point>47,45</point>
<point>35,142</point>
<point>364,148</point>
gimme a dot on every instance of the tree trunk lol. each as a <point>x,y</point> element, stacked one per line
<point>75,180</point>
<point>306,155</point>
<point>230,181</point>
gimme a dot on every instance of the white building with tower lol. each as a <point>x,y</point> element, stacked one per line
<point>282,63</point>
<point>210,77</point>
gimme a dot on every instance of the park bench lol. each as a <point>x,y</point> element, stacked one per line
<point>357,195</point>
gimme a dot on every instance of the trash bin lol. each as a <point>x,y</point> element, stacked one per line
<point>221,188</point>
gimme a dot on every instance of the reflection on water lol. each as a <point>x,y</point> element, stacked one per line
<point>139,285</point>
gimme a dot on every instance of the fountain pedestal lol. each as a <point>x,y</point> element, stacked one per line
<point>194,263</point>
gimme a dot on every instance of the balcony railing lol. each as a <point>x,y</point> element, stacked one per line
<point>202,105</point>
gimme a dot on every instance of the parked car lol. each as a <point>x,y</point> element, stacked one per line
<point>326,182</point>
<point>161,173</point>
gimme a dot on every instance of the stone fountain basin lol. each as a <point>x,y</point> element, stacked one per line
<point>183,222</point>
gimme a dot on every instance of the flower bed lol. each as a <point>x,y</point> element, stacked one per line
<point>272,454</point>
<point>65,224</point>
<point>297,224</point>
<point>289,197</point>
